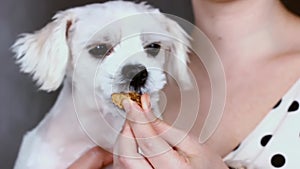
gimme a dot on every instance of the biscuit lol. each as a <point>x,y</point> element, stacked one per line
<point>117,98</point>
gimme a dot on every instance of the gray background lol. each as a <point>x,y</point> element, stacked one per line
<point>22,106</point>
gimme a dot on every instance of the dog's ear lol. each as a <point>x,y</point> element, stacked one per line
<point>45,53</point>
<point>178,59</point>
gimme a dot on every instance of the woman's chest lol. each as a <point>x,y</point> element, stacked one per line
<point>251,95</point>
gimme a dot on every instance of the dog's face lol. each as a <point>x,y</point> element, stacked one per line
<point>123,49</point>
<point>101,49</point>
<point>121,56</point>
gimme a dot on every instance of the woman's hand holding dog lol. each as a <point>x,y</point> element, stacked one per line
<point>95,158</point>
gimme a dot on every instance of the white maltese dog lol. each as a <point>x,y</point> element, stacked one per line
<point>95,50</point>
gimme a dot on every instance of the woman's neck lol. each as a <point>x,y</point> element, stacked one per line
<point>242,29</point>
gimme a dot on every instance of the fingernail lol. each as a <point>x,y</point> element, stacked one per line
<point>146,102</point>
<point>149,102</point>
<point>126,105</point>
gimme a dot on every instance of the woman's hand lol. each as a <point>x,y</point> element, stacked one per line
<point>147,142</point>
<point>95,158</point>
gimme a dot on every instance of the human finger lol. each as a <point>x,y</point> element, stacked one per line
<point>146,105</point>
<point>94,158</point>
<point>177,138</point>
<point>153,147</point>
<point>142,129</point>
<point>126,151</point>
<point>126,145</point>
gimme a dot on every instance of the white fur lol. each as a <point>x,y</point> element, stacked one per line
<point>84,115</point>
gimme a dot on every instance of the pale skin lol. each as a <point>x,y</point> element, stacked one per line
<point>258,44</point>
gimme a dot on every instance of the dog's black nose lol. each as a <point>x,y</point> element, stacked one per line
<point>139,79</point>
<point>137,75</point>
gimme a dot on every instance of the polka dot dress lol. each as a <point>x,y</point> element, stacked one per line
<point>275,142</point>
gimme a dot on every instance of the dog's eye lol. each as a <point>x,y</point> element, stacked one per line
<point>153,49</point>
<point>101,50</point>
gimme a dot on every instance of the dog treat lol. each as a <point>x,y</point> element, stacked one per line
<point>117,98</point>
